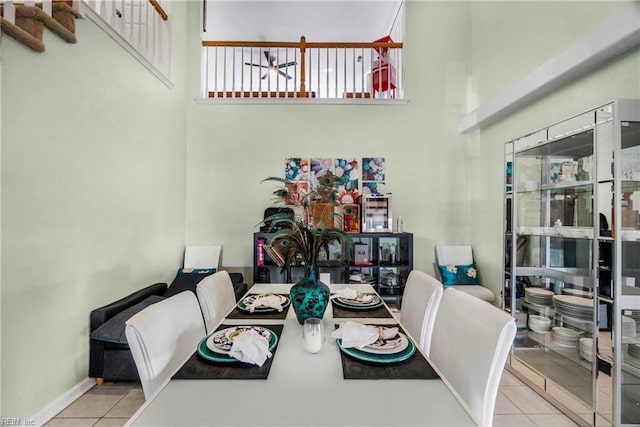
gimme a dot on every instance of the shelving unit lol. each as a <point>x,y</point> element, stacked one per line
<point>571,229</point>
<point>387,260</point>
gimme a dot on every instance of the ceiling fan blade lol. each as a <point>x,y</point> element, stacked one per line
<point>288,64</point>
<point>285,75</point>
<point>256,65</point>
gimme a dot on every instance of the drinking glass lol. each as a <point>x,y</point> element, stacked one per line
<point>313,334</point>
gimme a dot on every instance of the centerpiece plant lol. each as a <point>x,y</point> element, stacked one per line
<point>299,240</point>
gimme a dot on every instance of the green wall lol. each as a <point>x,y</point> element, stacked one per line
<point>232,147</point>
<point>106,173</point>
<point>93,204</point>
<point>518,46</point>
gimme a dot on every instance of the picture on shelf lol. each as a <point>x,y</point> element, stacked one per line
<point>346,175</point>
<point>373,187</point>
<point>297,192</point>
<point>373,169</point>
<point>296,169</point>
<point>562,170</point>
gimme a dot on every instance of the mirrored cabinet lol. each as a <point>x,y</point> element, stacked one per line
<point>572,262</point>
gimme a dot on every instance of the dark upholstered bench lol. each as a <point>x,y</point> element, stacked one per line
<point>109,355</point>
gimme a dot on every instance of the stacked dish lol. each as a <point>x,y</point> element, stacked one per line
<point>539,324</point>
<point>586,348</point>
<point>390,350</point>
<point>564,336</point>
<point>361,302</point>
<point>573,306</point>
<point>538,296</point>
<point>577,292</point>
<point>628,327</point>
<point>216,346</point>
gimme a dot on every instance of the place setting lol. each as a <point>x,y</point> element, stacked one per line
<point>349,303</point>
<point>261,306</point>
<point>379,352</point>
<point>233,352</point>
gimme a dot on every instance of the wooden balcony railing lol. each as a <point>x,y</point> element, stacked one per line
<point>325,70</point>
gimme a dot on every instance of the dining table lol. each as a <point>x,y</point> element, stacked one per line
<point>299,388</point>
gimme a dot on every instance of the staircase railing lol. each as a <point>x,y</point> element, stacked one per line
<point>321,70</point>
<point>142,27</point>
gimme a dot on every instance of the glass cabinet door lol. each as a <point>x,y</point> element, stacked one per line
<point>629,165</point>
<point>572,262</point>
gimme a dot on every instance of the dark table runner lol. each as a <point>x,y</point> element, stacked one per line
<point>273,315</point>
<point>414,368</point>
<point>341,312</point>
<point>198,368</point>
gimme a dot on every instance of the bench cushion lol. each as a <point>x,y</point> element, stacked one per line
<point>113,329</point>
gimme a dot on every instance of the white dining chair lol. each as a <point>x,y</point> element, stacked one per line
<point>162,336</point>
<point>420,301</point>
<point>459,255</point>
<point>469,346</point>
<point>216,297</point>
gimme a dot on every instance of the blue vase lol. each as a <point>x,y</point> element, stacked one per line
<point>309,297</point>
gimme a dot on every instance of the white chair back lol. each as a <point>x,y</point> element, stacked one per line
<point>469,345</point>
<point>461,255</point>
<point>216,296</point>
<point>454,255</point>
<point>202,256</point>
<point>420,300</point>
<point>162,336</point>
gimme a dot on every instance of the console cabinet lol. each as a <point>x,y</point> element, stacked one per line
<point>572,262</point>
<point>383,260</point>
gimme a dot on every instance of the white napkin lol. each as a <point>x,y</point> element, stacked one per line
<point>347,293</point>
<point>271,301</point>
<point>357,335</point>
<point>250,347</point>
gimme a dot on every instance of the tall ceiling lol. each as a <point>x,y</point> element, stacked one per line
<point>285,20</point>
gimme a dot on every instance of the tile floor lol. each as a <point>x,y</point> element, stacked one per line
<point>112,404</point>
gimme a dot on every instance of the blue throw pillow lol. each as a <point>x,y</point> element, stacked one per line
<point>459,274</point>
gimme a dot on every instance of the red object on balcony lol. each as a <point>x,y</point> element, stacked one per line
<point>383,78</point>
<point>385,39</point>
<point>383,74</point>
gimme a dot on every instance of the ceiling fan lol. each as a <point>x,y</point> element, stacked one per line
<point>273,67</point>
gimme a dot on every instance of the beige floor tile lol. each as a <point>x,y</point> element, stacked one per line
<point>509,379</point>
<point>112,422</point>
<point>528,400</point>
<point>95,403</point>
<point>512,421</point>
<point>551,420</point>
<point>119,384</point>
<point>505,406</point>
<point>128,405</point>
<point>72,422</point>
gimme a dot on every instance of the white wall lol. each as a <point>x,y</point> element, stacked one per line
<point>504,46</point>
<point>232,147</point>
<point>93,204</point>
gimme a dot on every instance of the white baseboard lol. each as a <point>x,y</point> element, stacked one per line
<point>64,400</point>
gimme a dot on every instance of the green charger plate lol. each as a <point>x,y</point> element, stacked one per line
<point>379,358</point>
<point>212,356</point>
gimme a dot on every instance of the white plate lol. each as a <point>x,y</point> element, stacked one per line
<point>222,340</point>
<point>401,346</point>
<point>358,303</point>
